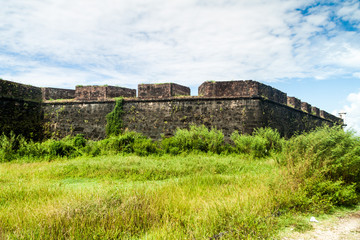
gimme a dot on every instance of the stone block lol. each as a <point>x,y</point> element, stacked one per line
<point>305,107</point>
<point>102,92</point>
<point>294,102</point>
<point>19,91</point>
<point>57,93</point>
<point>315,111</point>
<point>247,88</point>
<point>162,90</point>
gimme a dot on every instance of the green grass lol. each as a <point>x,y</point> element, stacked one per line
<point>191,186</point>
<point>194,196</point>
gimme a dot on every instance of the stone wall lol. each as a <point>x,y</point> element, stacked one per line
<point>154,117</point>
<point>230,106</point>
<point>71,118</point>
<point>294,102</point>
<point>57,93</point>
<point>12,90</point>
<point>157,117</point>
<point>162,90</point>
<point>101,93</point>
<point>246,88</point>
<point>20,109</point>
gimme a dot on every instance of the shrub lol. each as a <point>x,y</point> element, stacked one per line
<point>325,164</point>
<point>8,146</point>
<point>260,144</point>
<point>198,138</point>
<point>114,124</point>
<point>128,142</point>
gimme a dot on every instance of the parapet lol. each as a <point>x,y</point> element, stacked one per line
<point>306,107</point>
<point>19,91</point>
<point>162,90</point>
<point>294,102</point>
<point>315,111</point>
<point>102,92</point>
<point>247,88</point>
<point>57,93</point>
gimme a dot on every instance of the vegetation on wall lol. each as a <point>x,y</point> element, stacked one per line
<point>114,124</point>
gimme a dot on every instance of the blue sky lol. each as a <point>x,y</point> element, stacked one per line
<point>309,49</point>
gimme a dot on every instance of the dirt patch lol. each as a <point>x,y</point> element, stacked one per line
<point>339,228</point>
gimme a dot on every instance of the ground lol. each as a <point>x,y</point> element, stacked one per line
<point>336,228</point>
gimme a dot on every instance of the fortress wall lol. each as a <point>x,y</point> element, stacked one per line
<point>289,121</point>
<point>246,88</point>
<point>18,91</point>
<point>71,118</point>
<point>294,102</point>
<point>229,106</point>
<point>162,90</point>
<point>57,93</point>
<point>20,109</point>
<point>101,93</point>
<point>157,117</point>
<point>153,117</point>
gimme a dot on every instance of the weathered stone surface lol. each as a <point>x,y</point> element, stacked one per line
<point>14,90</point>
<point>162,90</point>
<point>294,102</point>
<point>57,93</point>
<point>256,105</point>
<point>155,118</point>
<point>73,118</point>
<point>315,111</point>
<point>102,92</point>
<point>305,107</point>
<point>240,88</point>
<point>20,109</point>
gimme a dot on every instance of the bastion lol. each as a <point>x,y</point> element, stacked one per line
<point>158,110</point>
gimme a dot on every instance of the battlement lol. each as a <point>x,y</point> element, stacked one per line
<point>162,90</point>
<point>102,92</point>
<point>158,110</point>
<point>57,93</point>
<point>246,88</point>
<point>17,91</point>
<point>294,102</point>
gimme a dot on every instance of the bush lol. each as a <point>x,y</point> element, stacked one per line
<point>198,139</point>
<point>325,164</point>
<point>114,124</point>
<point>8,145</point>
<point>128,142</point>
<point>260,144</point>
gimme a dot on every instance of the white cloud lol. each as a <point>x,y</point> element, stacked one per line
<point>184,41</point>
<point>356,74</point>
<point>352,110</point>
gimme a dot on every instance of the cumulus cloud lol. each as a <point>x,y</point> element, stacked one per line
<point>352,110</point>
<point>184,41</point>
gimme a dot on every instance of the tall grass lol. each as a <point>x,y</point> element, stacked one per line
<point>190,186</point>
<point>198,139</point>
<point>325,166</point>
<point>198,196</point>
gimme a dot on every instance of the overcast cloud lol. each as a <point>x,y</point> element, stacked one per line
<point>62,43</point>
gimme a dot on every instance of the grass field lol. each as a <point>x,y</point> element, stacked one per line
<point>186,196</point>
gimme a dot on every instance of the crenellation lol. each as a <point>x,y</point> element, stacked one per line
<point>162,90</point>
<point>57,93</point>
<point>158,111</point>
<point>294,102</point>
<point>315,111</point>
<point>102,92</point>
<point>306,107</point>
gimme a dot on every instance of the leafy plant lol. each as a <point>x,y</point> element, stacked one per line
<point>114,124</point>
